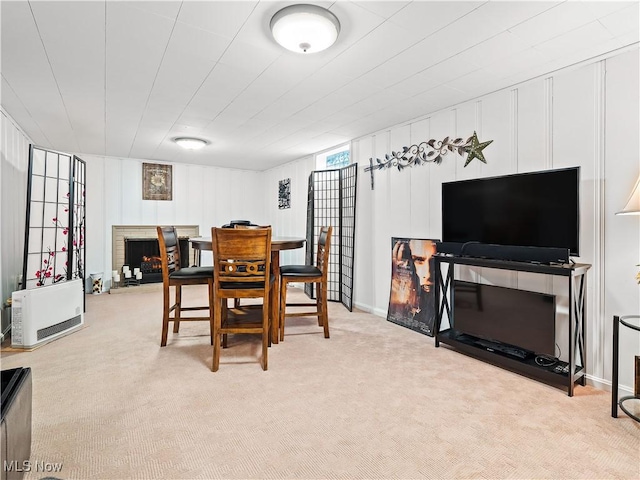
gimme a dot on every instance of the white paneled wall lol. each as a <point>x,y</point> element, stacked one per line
<point>13,203</point>
<point>289,222</point>
<point>203,196</point>
<point>585,116</point>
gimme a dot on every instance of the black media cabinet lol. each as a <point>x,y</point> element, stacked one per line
<point>576,277</point>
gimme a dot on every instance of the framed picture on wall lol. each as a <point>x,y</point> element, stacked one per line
<point>284,193</point>
<point>157,182</point>
<point>412,297</point>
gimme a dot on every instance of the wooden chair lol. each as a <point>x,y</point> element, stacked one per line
<point>242,259</point>
<point>246,224</point>
<point>307,274</point>
<point>175,276</point>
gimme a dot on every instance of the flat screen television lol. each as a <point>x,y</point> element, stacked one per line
<point>538,209</point>
<point>498,314</point>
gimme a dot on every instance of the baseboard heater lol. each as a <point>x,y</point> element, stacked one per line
<point>42,314</point>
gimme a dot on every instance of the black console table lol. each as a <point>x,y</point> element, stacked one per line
<point>632,322</point>
<point>576,277</point>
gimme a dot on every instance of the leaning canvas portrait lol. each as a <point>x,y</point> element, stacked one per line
<point>412,296</point>
<point>156,182</point>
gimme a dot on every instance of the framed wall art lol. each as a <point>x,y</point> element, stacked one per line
<point>157,181</point>
<point>284,193</point>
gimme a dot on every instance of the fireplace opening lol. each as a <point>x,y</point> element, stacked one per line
<point>144,253</point>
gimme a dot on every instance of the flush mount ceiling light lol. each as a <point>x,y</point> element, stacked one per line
<point>305,28</point>
<point>190,143</point>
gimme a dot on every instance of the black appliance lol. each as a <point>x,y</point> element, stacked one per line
<point>505,316</point>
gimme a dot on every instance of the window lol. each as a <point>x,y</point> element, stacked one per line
<point>335,158</point>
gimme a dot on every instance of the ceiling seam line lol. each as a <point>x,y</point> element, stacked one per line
<point>207,76</point>
<point>105,78</point>
<point>155,78</point>
<point>55,80</point>
<point>28,112</point>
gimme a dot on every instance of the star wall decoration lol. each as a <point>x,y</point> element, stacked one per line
<point>474,149</point>
<point>431,151</point>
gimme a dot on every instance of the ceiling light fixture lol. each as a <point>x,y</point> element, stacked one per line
<point>305,28</point>
<point>190,143</point>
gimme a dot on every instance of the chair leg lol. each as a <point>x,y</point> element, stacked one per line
<point>266,313</point>
<point>283,306</point>
<point>165,316</point>
<point>325,313</point>
<point>272,317</point>
<point>223,318</point>
<point>211,310</point>
<point>216,335</point>
<point>176,321</point>
<point>319,303</point>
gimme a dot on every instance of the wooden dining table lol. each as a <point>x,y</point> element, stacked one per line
<point>277,245</point>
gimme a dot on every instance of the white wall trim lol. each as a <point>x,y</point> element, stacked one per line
<point>597,292</point>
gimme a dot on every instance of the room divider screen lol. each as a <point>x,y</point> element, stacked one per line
<point>332,201</point>
<point>54,248</point>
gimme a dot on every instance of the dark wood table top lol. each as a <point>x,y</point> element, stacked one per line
<point>277,243</point>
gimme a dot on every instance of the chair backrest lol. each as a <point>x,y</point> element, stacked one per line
<point>169,250</point>
<point>234,223</point>
<point>324,245</point>
<point>241,255</point>
<point>249,226</point>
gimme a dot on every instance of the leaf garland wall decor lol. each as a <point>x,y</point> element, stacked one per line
<point>431,151</point>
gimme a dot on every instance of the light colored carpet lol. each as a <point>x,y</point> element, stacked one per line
<point>375,400</point>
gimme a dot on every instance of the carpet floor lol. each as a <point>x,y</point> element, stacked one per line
<point>376,400</point>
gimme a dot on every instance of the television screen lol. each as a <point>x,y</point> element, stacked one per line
<point>506,315</point>
<point>539,209</point>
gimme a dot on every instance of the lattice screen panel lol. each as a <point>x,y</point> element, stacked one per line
<point>55,228</point>
<point>331,201</point>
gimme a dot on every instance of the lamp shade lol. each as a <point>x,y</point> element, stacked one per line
<point>190,143</point>
<point>633,204</point>
<point>305,28</point>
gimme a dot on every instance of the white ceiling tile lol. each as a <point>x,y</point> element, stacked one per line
<point>20,114</point>
<point>429,17</point>
<point>374,49</point>
<point>623,21</point>
<point>384,9</point>
<point>60,24</point>
<point>514,64</point>
<point>473,84</point>
<point>584,37</point>
<point>508,14</point>
<point>165,8</point>
<point>249,58</point>
<point>220,17</point>
<point>555,21</point>
<point>33,80</point>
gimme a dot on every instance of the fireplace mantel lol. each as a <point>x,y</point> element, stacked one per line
<point>120,232</point>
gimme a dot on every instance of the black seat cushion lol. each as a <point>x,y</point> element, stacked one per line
<point>192,272</point>
<point>300,271</point>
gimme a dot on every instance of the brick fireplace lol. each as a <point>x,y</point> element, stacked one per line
<point>136,234</point>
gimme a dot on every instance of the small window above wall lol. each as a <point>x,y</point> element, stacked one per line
<point>338,157</point>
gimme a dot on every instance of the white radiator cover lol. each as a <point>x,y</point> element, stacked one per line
<point>42,314</point>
